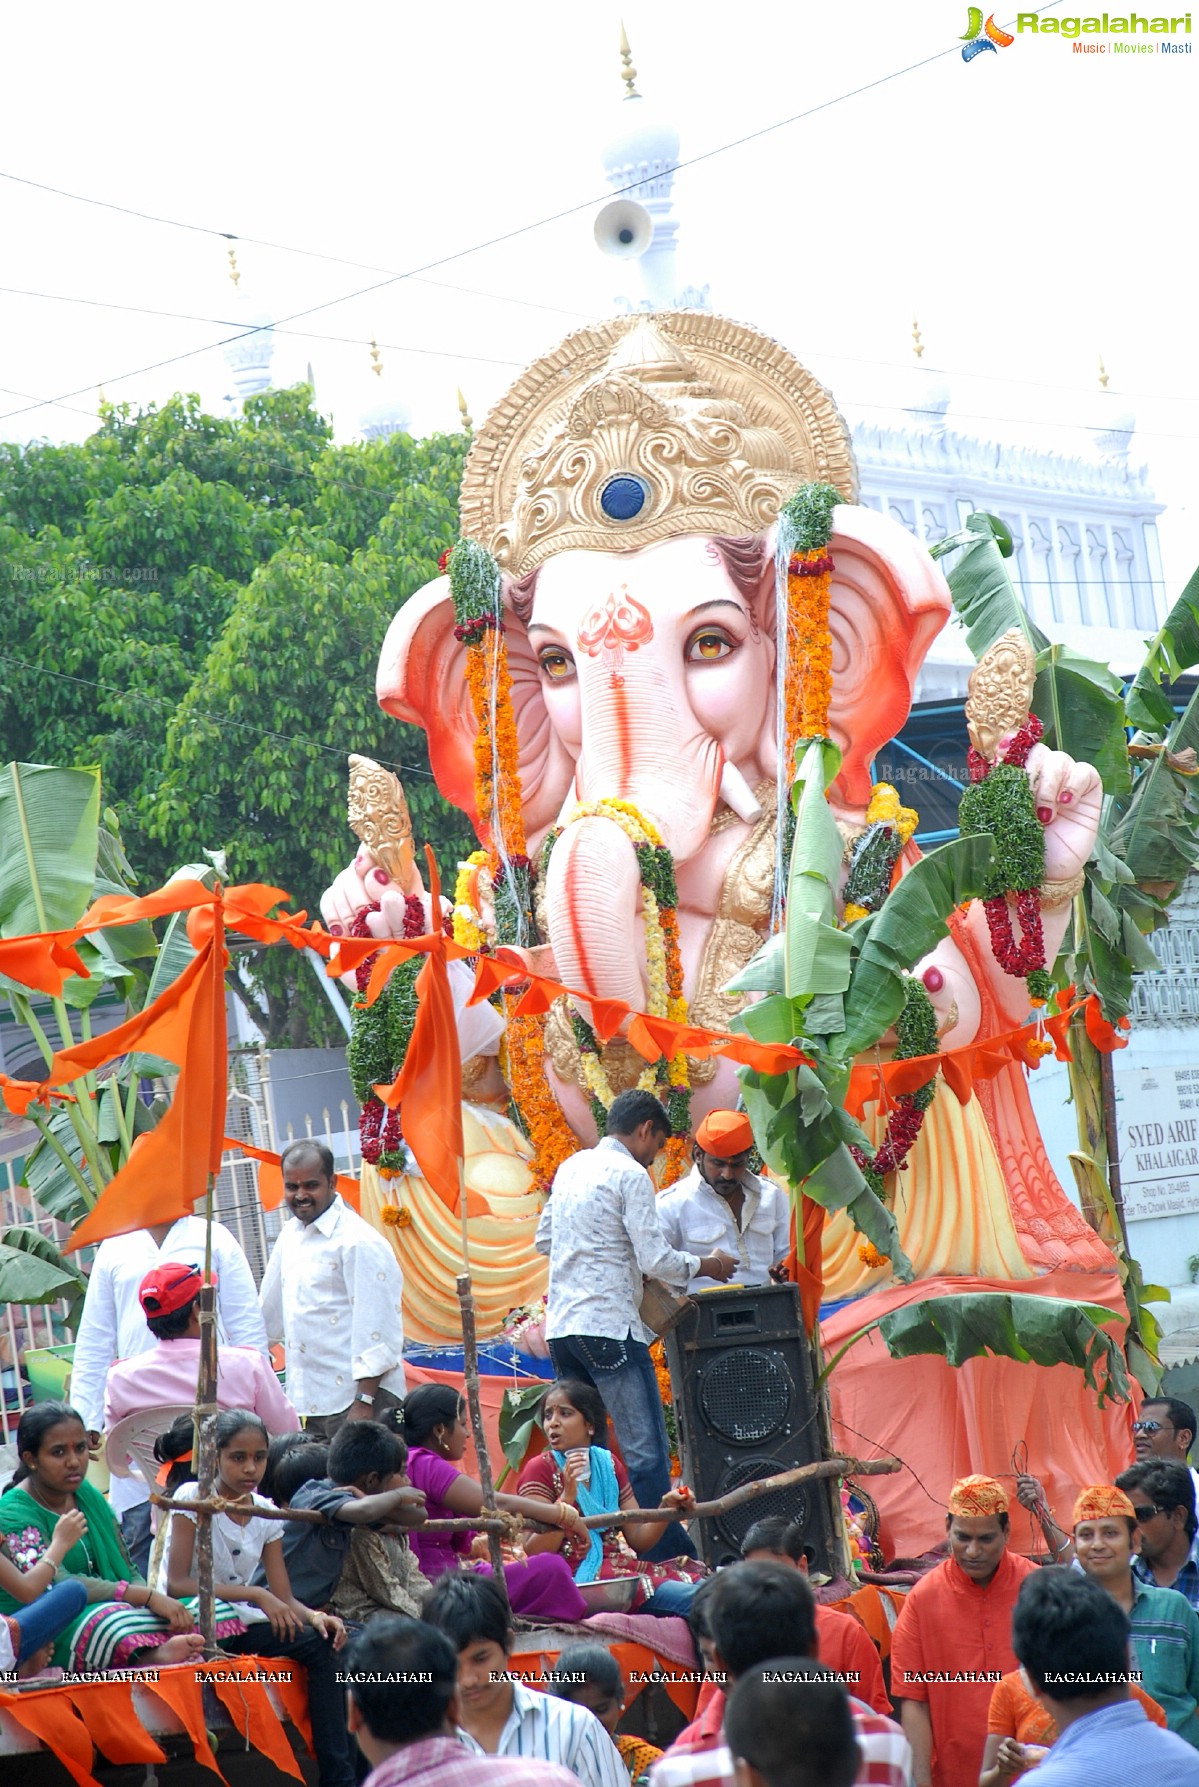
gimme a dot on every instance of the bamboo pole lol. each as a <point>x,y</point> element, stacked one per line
<point>204,1437</point>
<point>470,1377</point>
<point>822,1469</point>
<point>217,1504</point>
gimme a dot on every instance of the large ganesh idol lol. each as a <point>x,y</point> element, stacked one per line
<point>627,488</point>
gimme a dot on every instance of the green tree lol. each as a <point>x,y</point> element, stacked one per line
<point>199,606</point>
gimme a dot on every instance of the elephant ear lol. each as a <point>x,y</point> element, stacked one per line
<point>422,680</point>
<point>887,604</point>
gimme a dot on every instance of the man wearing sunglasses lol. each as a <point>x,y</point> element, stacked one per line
<point>1166,1430</point>
<point>1164,1497</point>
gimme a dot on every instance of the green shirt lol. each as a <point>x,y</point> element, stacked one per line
<point>1165,1648</point>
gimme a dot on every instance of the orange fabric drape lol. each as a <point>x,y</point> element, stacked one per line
<point>71,1719</point>
<point>429,1088</point>
<point>249,1706</point>
<point>163,1177</point>
<point>180,1689</point>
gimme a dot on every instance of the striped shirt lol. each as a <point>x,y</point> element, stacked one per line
<point>553,1730</point>
<point>886,1758</point>
<point>1164,1641</point>
<point>1115,1746</point>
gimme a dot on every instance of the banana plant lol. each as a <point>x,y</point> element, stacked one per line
<point>1148,843</point>
<point>835,991</point>
<point>59,850</point>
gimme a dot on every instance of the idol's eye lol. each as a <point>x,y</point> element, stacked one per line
<point>557,666</point>
<point>709,645</point>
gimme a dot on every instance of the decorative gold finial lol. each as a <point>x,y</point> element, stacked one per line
<point>234,275</point>
<point>376,359</point>
<point>628,73</point>
<point>1102,374</point>
<point>468,426</point>
<point>917,343</point>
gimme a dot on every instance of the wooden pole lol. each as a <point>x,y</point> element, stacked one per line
<point>470,1375</point>
<point>216,1504</point>
<point>204,1431</point>
<point>747,1492</point>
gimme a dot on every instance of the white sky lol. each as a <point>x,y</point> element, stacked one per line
<point>1035,208</point>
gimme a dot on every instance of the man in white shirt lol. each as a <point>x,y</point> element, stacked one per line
<point>113,1326</point>
<point>603,1237</point>
<point>332,1293</point>
<point>722,1204</point>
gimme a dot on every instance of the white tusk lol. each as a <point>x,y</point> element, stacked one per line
<point>736,793</point>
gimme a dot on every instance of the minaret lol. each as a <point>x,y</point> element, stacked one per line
<point>249,357</point>
<point>1115,422</point>
<point>639,163</point>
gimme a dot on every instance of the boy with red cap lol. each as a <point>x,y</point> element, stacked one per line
<point>957,1624</point>
<point>721,1203</point>
<point>170,1300</point>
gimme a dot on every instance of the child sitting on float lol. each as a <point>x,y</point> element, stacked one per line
<point>268,1620</point>
<point>124,1623</point>
<point>589,1675</point>
<point>580,1469</point>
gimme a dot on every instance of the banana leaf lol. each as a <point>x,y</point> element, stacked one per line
<point>53,1188</point>
<point>913,918</point>
<point>1081,705</point>
<point>1173,649</point>
<point>1155,832</point>
<point>32,1270</point>
<point>818,955</point>
<point>983,592</point>
<point>49,837</point>
<point>518,1421</point>
<point>1034,1330</point>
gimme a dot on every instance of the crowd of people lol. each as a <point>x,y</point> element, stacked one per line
<point>1086,1671</point>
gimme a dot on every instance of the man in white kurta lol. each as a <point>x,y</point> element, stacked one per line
<point>332,1294</point>
<point>721,1204</point>
<point>113,1326</point>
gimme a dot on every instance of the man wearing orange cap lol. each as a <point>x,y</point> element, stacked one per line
<point>953,1639</point>
<point>721,1204</point>
<point>1164,1625</point>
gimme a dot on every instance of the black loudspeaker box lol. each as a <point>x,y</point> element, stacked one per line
<point>746,1407</point>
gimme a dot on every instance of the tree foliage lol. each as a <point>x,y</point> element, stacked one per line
<point>199,605</point>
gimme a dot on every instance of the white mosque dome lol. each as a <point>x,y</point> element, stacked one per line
<point>391,415</point>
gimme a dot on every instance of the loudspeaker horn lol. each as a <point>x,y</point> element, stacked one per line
<point>624,229</point>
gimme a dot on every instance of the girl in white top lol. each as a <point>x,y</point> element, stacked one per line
<point>241,1542</point>
<point>274,1623</point>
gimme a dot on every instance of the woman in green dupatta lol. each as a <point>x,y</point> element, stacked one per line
<point>125,1622</point>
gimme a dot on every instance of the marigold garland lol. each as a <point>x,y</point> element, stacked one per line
<point>805,529</point>
<point>664,974</point>
<point>550,1135</point>
<point>657,1353</point>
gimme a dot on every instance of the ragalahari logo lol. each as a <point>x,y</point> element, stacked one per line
<point>980,37</point>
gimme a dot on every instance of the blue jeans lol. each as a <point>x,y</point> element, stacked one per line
<point>135,1530</point>
<point>623,1373</point>
<point>42,1620</point>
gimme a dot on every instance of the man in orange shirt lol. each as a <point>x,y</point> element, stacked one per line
<point>842,1641</point>
<point>955,1625</point>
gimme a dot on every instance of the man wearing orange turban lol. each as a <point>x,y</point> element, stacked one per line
<point>1164,1636</point>
<point>955,1623</point>
<point>723,1204</point>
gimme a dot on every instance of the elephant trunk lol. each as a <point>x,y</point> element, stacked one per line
<point>593,900</point>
